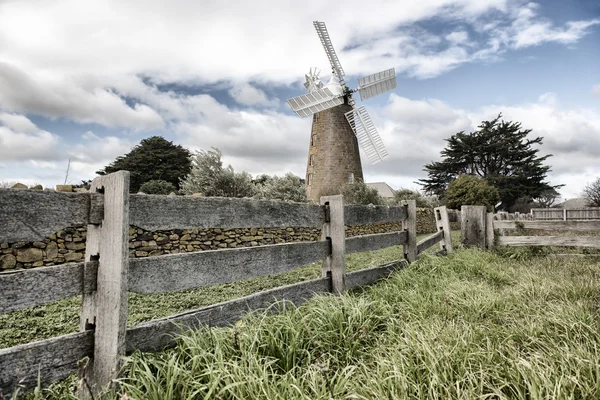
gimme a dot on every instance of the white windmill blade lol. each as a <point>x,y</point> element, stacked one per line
<point>367,135</point>
<point>378,83</point>
<point>326,41</point>
<point>313,102</point>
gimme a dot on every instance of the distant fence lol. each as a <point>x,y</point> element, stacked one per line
<point>107,274</point>
<point>565,214</point>
<point>486,230</point>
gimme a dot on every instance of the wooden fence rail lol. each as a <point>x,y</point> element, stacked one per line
<point>108,274</point>
<point>488,230</point>
<point>590,213</point>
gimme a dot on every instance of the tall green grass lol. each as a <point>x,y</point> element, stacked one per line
<point>473,325</point>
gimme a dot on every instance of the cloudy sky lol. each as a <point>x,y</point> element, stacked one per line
<point>87,80</point>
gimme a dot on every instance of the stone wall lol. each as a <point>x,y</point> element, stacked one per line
<point>68,245</point>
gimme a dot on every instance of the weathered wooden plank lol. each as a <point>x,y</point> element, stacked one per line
<point>369,276</point>
<point>442,223</point>
<point>33,287</point>
<point>158,334</point>
<point>429,241</point>
<point>334,233</point>
<point>489,231</point>
<point>155,212</point>
<point>54,359</point>
<point>578,241</point>
<point>361,215</point>
<point>105,310</point>
<point>29,215</point>
<point>473,222</point>
<point>573,226</point>
<point>191,270</point>
<point>358,244</point>
<point>410,225</point>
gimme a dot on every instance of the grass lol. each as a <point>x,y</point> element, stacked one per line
<point>62,317</point>
<point>473,325</point>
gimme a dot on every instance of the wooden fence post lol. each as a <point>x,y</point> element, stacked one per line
<point>489,231</point>
<point>334,232</point>
<point>473,226</point>
<point>410,225</point>
<point>105,309</point>
<point>443,224</point>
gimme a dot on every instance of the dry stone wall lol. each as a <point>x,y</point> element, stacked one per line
<point>68,245</point>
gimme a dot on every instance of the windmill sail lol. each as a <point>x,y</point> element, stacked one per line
<point>326,41</point>
<point>311,103</point>
<point>367,135</point>
<point>375,84</point>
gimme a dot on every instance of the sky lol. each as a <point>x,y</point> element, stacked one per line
<point>86,81</point>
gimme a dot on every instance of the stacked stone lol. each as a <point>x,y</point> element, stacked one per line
<point>64,246</point>
<point>68,245</point>
<point>143,243</point>
<point>332,154</point>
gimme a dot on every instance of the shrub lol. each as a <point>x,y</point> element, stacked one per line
<point>157,186</point>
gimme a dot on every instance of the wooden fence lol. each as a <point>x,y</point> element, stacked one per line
<point>487,230</point>
<point>107,274</point>
<point>565,214</point>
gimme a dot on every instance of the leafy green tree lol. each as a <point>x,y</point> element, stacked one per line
<point>498,151</point>
<point>406,194</point>
<point>155,158</point>
<point>208,177</point>
<point>471,191</point>
<point>156,186</point>
<point>360,193</point>
<point>286,188</point>
<point>592,192</point>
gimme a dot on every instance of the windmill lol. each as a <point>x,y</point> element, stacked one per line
<point>338,125</point>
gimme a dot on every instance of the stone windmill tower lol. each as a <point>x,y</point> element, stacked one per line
<point>338,126</point>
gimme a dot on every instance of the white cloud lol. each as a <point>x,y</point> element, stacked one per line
<point>549,98</point>
<point>248,95</point>
<point>458,37</point>
<point>17,122</point>
<point>57,96</point>
<point>24,146</point>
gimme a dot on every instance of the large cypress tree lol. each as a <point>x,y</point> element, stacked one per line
<point>500,152</point>
<point>155,158</point>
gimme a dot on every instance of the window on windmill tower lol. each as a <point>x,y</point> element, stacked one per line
<point>350,177</point>
<point>313,141</point>
<point>310,179</point>
<point>312,160</point>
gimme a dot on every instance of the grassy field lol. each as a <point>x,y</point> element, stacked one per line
<point>472,325</point>
<point>62,317</point>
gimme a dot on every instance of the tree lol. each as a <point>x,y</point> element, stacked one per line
<point>208,177</point>
<point>360,193</point>
<point>406,194</point>
<point>156,186</point>
<point>498,151</point>
<point>287,188</point>
<point>472,191</point>
<point>547,198</point>
<point>592,192</point>
<point>154,158</point>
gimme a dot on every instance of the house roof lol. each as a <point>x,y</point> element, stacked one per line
<point>576,202</point>
<point>382,188</point>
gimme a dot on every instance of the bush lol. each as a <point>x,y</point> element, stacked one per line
<point>287,188</point>
<point>471,190</point>
<point>422,201</point>
<point>360,193</point>
<point>157,186</point>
